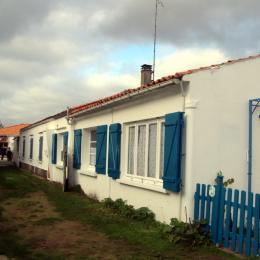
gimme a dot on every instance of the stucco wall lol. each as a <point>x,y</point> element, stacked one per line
<point>45,130</point>
<point>153,105</point>
<point>218,102</point>
<point>165,204</point>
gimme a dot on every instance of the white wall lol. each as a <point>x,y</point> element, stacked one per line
<point>218,107</point>
<point>165,204</point>
<point>10,140</point>
<point>46,130</point>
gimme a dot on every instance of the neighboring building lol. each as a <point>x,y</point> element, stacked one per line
<point>151,145</point>
<point>8,135</point>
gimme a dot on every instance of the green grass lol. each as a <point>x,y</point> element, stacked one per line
<point>13,246</point>
<point>77,207</point>
<point>47,221</point>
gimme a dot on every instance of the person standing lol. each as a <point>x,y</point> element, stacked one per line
<point>2,152</point>
<point>9,154</point>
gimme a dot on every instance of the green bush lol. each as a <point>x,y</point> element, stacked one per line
<point>143,213</point>
<point>120,206</point>
<point>190,234</point>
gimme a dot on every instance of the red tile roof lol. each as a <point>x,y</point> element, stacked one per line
<point>116,96</point>
<point>13,130</point>
<point>127,92</point>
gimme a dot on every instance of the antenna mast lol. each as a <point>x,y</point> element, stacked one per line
<point>155,33</point>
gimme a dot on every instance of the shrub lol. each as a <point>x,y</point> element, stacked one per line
<point>120,206</point>
<point>144,213</point>
<point>190,234</point>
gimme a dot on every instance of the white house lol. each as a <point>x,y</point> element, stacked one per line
<point>151,145</point>
<point>9,137</point>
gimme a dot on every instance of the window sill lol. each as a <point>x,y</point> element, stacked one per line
<point>89,173</point>
<point>143,186</point>
<point>40,162</point>
<point>59,166</point>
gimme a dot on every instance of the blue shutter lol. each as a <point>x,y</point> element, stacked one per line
<point>77,149</point>
<point>101,149</point>
<point>40,147</point>
<point>172,151</point>
<point>54,149</point>
<point>31,148</point>
<point>114,151</point>
<point>65,139</point>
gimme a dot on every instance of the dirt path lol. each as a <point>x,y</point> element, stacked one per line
<point>36,220</point>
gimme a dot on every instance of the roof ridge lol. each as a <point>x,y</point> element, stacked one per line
<point>14,125</point>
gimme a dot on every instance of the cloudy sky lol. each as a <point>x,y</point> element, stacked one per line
<point>59,53</point>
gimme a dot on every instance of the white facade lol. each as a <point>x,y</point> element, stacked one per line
<point>215,102</point>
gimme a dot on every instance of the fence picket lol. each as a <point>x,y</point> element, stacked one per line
<point>249,224</point>
<point>202,205</point>
<point>256,225</point>
<point>221,216</point>
<point>197,202</point>
<point>232,222</point>
<point>208,206</point>
<point>228,218</point>
<point>215,210</point>
<point>241,223</point>
<point>234,226</point>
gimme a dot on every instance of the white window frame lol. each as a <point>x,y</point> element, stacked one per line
<point>40,136</point>
<point>87,169</point>
<point>144,180</point>
<point>89,147</point>
<point>60,148</point>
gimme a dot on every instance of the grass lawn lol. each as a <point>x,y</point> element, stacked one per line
<point>39,221</point>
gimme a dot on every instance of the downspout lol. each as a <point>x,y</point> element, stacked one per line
<point>250,129</point>
<point>251,109</point>
<point>69,147</point>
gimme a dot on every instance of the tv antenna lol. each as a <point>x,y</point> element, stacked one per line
<point>157,2</point>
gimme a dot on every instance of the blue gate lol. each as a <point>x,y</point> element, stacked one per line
<point>232,216</point>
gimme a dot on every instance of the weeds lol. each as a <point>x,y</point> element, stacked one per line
<point>190,234</point>
<point>120,206</point>
<point>47,221</point>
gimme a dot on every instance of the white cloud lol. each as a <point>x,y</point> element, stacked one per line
<point>58,53</point>
<point>184,59</point>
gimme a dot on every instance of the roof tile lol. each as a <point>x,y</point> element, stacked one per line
<point>13,130</point>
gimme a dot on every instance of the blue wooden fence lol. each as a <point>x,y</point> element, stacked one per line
<point>232,216</point>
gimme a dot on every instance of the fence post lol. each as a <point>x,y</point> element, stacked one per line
<point>197,202</point>
<point>216,206</point>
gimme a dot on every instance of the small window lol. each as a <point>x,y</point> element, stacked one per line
<point>152,150</point>
<point>60,148</point>
<point>141,150</point>
<point>92,147</point>
<point>131,143</point>
<point>40,148</point>
<point>162,150</point>
<point>23,154</point>
<point>31,148</point>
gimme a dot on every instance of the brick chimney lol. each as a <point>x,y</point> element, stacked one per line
<point>146,74</point>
